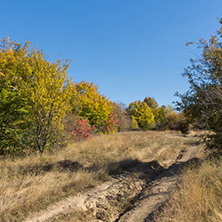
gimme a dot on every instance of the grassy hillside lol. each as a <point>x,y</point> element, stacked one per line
<point>33,182</point>
<point>198,198</point>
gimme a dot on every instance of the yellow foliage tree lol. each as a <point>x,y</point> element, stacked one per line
<point>44,87</point>
<point>12,103</point>
<point>47,87</point>
<point>88,103</point>
<point>142,113</point>
<point>134,123</point>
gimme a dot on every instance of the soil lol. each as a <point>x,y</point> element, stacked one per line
<point>132,196</point>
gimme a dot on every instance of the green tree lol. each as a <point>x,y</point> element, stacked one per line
<point>12,104</point>
<point>158,112</point>
<point>203,101</point>
<point>134,125</point>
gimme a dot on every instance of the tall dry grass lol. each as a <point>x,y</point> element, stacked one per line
<point>199,196</point>
<point>33,182</point>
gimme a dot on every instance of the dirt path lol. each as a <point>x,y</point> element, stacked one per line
<point>132,196</point>
<point>103,198</point>
<point>158,192</point>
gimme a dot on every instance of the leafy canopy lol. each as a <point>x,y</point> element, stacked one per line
<point>142,113</point>
<point>203,101</point>
<point>34,96</point>
<point>87,102</point>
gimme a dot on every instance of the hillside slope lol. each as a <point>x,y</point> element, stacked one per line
<point>110,178</point>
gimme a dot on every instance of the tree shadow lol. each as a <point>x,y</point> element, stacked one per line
<point>112,168</point>
<point>193,143</point>
<point>64,165</point>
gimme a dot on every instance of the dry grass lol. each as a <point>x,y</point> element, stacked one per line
<point>31,183</point>
<point>199,197</point>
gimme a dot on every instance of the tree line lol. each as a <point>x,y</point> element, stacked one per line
<point>42,108</point>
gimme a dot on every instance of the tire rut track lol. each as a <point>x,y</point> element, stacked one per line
<point>158,191</point>
<point>144,188</point>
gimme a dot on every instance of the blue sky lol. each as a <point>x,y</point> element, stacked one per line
<point>130,48</point>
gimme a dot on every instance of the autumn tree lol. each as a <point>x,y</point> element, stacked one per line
<point>142,113</point>
<point>151,102</point>
<point>38,91</point>
<point>203,101</point>
<point>13,110</point>
<point>176,120</point>
<point>88,103</point>
<point>124,122</point>
<point>46,86</point>
<point>158,112</point>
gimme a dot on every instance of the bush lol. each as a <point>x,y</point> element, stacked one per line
<point>82,130</point>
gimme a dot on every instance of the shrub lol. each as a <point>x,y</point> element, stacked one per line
<point>82,130</point>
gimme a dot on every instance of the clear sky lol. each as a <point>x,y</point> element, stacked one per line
<point>130,48</point>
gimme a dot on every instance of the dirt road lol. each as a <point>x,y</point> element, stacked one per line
<point>158,191</point>
<point>131,196</point>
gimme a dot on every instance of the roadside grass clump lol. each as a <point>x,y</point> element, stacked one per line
<point>198,197</point>
<point>31,183</point>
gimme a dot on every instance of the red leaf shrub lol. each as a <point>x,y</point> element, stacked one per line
<point>82,130</point>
